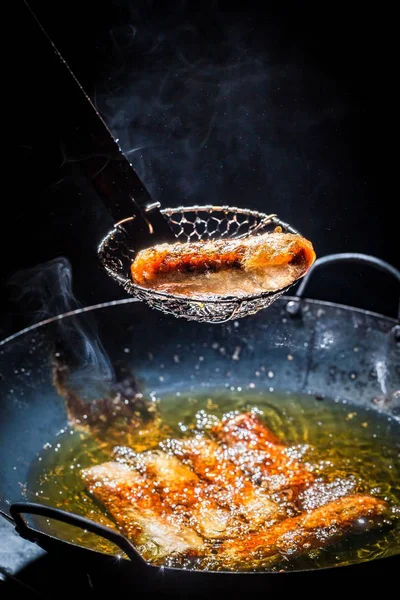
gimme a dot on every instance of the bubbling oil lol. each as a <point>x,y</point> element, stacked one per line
<point>354,447</point>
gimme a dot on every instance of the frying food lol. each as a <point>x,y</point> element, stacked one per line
<point>231,487</point>
<point>140,513</point>
<point>216,498</point>
<point>212,508</point>
<point>230,267</point>
<point>261,454</point>
<point>317,529</point>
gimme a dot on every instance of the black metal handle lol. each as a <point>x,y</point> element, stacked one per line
<point>293,307</point>
<point>19,508</point>
<point>96,154</point>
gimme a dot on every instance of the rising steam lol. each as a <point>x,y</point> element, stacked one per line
<point>45,292</point>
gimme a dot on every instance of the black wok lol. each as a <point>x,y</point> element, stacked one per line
<point>321,338</point>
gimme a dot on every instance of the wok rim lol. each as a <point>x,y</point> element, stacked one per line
<point>130,300</point>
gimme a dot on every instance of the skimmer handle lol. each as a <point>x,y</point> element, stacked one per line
<point>96,153</point>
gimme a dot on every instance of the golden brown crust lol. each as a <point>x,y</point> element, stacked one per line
<point>185,493</point>
<point>138,509</point>
<point>247,429</point>
<point>317,529</point>
<point>249,265</point>
<point>228,485</point>
<point>261,454</point>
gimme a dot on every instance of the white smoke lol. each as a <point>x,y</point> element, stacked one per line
<point>44,292</point>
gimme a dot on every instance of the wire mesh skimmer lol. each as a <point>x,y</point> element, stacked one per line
<point>189,224</point>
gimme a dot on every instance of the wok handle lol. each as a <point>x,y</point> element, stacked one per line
<point>19,508</point>
<point>294,307</point>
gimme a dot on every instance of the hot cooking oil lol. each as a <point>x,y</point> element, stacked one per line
<point>355,448</point>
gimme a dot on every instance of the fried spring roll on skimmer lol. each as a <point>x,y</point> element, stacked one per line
<point>251,265</point>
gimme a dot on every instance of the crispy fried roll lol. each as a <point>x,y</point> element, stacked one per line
<point>251,265</point>
<point>319,528</point>
<point>138,509</point>
<point>260,454</point>
<point>230,485</point>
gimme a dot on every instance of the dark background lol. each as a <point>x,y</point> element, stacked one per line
<point>280,110</point>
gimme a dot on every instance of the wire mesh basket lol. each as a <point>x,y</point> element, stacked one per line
<point>192,224</point>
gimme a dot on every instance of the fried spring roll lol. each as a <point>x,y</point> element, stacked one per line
<point>260,454</point>
<point>319,528</point>
<point>252,265</point>
<point>182,490</point>
<point>138,509</point>
<point>228,484</point>
<point>246,429</point>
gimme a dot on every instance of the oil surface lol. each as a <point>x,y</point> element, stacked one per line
<point>337,440</point>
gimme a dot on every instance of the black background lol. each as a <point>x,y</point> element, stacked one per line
<point>281,110</point>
